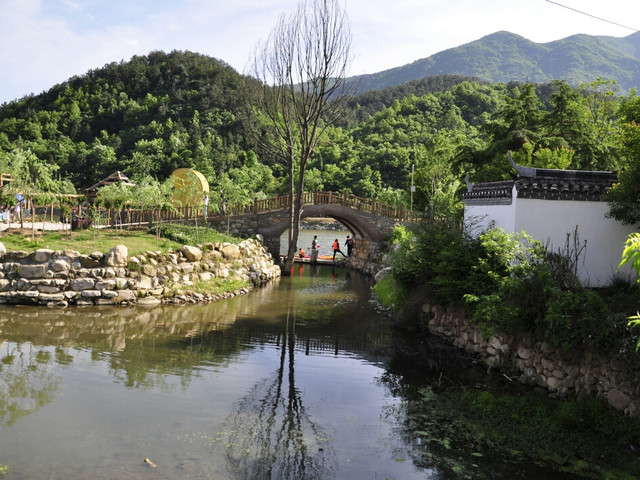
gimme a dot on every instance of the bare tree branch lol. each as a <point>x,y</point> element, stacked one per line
<point>302,67</point>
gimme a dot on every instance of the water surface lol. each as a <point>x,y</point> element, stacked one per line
<point>281,383</point>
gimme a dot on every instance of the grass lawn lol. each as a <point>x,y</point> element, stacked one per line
<point>102,240</point>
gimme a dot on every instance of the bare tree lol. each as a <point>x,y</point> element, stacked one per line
<point>302,68</point>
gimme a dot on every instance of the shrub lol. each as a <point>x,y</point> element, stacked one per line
<point>389,292</point>
<point>509,283</point>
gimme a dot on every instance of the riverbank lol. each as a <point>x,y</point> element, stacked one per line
<point>59,278</point>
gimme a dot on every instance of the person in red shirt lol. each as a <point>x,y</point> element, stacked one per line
<point>336,249</point>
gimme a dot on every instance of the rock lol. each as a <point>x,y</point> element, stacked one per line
<point>192,254</point>
<point>91,294</point>
<point>145,283</point>
<point>71,254</point>
<point>79,284</point>
<point>60,265</point>
<point>41,255</point>
<point>88,262</point>
<point>617,399</point>
<point>118,256</point>
<point>149,301</point>
<point>16,255</point>
<point>32,271</point>
<point>48,289</point>
<point>125,296</point>
<point>230,251</point>
<point>524,352</point>
<point>3,250</point>
<point>105,285</point>
<point>149,270</point>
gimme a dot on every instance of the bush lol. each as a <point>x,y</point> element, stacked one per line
<point>190,235</point>
<point>509,283</point>
<point>437,256</point>
<point>390,293</point>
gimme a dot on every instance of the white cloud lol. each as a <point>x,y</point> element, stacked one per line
<point>45,42</point>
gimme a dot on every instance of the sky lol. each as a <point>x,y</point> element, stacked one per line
<point>45,42</point>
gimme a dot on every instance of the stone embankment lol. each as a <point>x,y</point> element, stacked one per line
<point>323,223</point>
<point>62,278</point>
<point>537,363</point>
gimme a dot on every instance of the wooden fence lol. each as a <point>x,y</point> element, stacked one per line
<point>139,217</point>
<point>345,199</point>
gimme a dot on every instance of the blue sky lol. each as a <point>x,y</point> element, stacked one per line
<point>45,42</point>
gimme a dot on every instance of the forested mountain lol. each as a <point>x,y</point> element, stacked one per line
<point>506,57</point>
<point>153,114</point>
<point>148,115</point>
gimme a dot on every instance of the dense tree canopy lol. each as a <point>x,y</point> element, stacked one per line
<point>156,113</point>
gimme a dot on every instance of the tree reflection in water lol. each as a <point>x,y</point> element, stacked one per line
<point>28,378</point>
<point>270,435</point>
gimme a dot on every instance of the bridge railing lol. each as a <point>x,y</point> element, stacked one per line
<point>367,205</point>
<point>135,216</point>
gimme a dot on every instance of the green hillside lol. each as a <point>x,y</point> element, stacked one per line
<point>153,114</point>
<point>506,57</point>
<point>149,115</point>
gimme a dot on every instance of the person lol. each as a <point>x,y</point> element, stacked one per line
<point>223,203</point>
<point>302,253</point>
<point>205,208</point>
<point>336,249</point>
<point>6,215</point>
<point>16,211</point>
<point>314,249</point>
<point>349,244</point>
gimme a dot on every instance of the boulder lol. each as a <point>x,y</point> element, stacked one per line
<point>41,255</point>
<point>60,265</point>
<point>82,283</point>
<point>118,256</point>
<point>192,254</point>
<point>230,251</point>
<point>32,271</point>
<point>148,302</point>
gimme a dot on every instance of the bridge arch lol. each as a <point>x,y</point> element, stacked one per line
<point>371,222</point>
<point>350,218</point>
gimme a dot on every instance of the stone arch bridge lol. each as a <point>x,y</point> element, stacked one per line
<point>370,222</point>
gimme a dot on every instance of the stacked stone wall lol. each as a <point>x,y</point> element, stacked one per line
<point>367,257</point>
<point>537,363</point>
<point>62,278</point>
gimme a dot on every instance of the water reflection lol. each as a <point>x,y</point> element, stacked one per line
<point>276,384</point>
<point>28,379</point>
<point>270,435</point>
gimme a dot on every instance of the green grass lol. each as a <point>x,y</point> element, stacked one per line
<point>102,240</point>
<point>217,286</point>
<point>84,241</point>
<point>389,293</point>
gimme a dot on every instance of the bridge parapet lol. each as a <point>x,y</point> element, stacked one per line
<point>370,222</point>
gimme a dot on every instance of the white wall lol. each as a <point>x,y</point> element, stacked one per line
<point>551,221</point>
<point>478,218</point>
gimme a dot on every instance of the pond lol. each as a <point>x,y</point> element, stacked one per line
<point>281,383</point>
<point>292,381</point>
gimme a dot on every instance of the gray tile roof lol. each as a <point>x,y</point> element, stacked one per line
<point>542,183</point>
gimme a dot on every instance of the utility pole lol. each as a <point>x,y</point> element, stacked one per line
<point>413,188</point>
